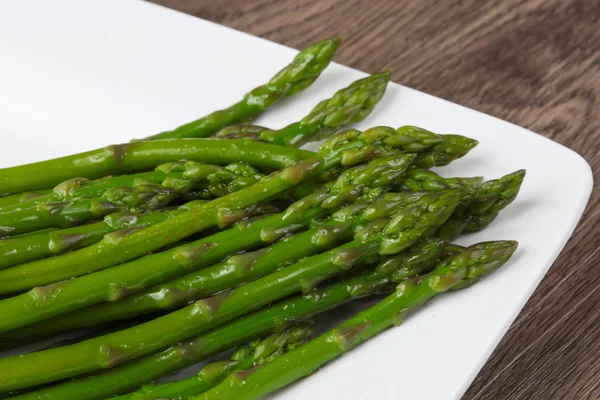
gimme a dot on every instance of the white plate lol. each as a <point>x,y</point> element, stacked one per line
<point>77,75</point>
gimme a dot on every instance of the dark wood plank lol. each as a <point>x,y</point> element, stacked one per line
<point>535,63</point>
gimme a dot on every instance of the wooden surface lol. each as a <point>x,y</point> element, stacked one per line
<point>534,63</point>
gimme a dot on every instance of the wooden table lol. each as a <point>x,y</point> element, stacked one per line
<point>534,63</point>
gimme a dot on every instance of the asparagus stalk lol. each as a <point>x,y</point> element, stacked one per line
<point>297,76</point>
<point>44,302</point>
<point>474,263</point>
<point>120,159</point>
<point>142,156</point>
<point>419,179</point>
<point>207,281</point>
<point>347,106</point>
<point>274,318</point>
<point>178,177</point>
<point>75,207</point>
<point>348,148</point>
<point>10,200</point>
<point>490,198</point>
<point>256,353</point>
<point>38,245</point>
<point>381,237</point>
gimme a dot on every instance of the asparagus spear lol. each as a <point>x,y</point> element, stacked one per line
<point>207,281</point>
<point>349,148</point>
<point>381,237</point>
<point>418,179</point>
<point>418,259</point>
<point>38,245</point>
<point>346,149</point>
<point>201,283</point>
<point>115,283</point>
<point>297,76</point>
<point>347,106</point>
<point>142,156</point>
<point>75,207</point>
<point>490,198</point>
<point>256,353</point>
<point>121,159</point>
<point>179,177</point>
<point>474,263</point>
<point>6,201</point>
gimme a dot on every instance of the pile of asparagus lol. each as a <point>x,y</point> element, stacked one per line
<point>221,234</point>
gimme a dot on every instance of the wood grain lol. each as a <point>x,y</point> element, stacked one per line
<point>535,63</point>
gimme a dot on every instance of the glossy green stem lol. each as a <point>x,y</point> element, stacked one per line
<point>156,268</point>
<point>38,245</point>
<point>115,283</point>
<point>174,178</point>
<point>381,237</point>
<point>128,244</point>
<point>347,106</point>
<point>207,281</point>
<point>477,260</point>
<point>56,215</point>
<point>346,149</point>
<point>255,353</point>
<point>140,156</point>
<point>12,199</point>
<point>272,318</point>
<point>80,187</point>
<point>76,203</point>
<point>297,76</point>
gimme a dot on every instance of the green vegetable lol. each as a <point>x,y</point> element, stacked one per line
<point>297,76</point>
<point>6,201</point>
<point>256,353</point>
<point>174,178</point>
<point>348,148</point>
<point>381,237</point>
<point>347,106</point>
<point>142,156</point>
<point>274,318</point>
<point>73,202</point>
<point>417,179</point>
<point>434,149</point>
<point>489,199</point>
<point>42,244</point>
<point>204,282</point>
<point>115,283</point>
<point>473,263</point>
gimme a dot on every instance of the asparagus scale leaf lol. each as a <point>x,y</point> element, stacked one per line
<point>473,263</point>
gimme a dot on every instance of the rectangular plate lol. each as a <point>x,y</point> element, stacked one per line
<point>79,75</point>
